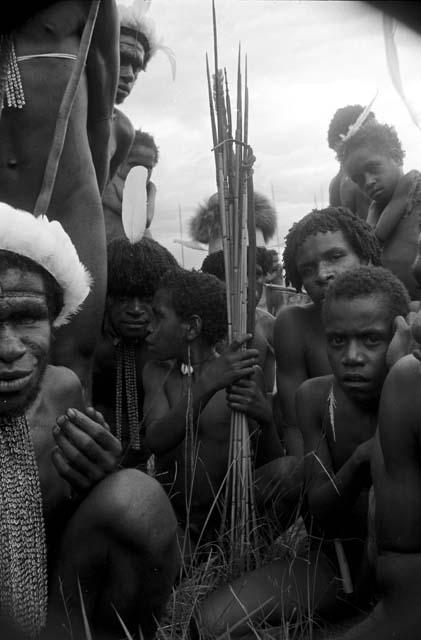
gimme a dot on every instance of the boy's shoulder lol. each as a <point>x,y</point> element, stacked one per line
<point>315,390</point>
<point>293,317</point>
<point>155,370</point>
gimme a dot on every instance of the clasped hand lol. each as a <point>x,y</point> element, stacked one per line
<point>86,450</point>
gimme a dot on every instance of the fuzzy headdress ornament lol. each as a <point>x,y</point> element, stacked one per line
<point>47,244</point>
<point>134,19</point>
<point>205,226</point>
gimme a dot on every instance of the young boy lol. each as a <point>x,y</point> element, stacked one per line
<point>186,413</point>
<point>337,415</point>
<point>319,247</point>
<point>373,158</point>
<point>342,190</point>
<point>263,335</point>
<point>134,271</point>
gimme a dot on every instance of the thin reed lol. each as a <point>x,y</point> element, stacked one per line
<point>233,164</point>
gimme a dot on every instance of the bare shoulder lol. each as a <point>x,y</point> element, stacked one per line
<point>292,318</point>
<point>155,372</point>
<point>265,320</point>
<point>314,391</point>
<point>123,128</point>
<point>404,378</point>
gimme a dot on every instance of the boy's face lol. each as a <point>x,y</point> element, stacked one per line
<point>358,334</point>
<point>166,331</point>
<point>129,316</point>
<point>375,173</point>
<point>322,257</point>
<point>25,335</point>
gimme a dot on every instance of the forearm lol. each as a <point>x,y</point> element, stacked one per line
<point>166,433</point>
<point>268,446</point>
<point>99,135</point>
<point>337,492</point>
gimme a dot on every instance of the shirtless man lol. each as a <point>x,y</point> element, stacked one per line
<point>109,536</point>
<point>318,248</point>
<point>337,415</point>
<point>143,152</point>
<point>138,44</point>
<point>343,192</point>
<point>46,49</point>
<point>373,158</point>
<point>189,318</point>
<point>134,272</point>
<point>263,335</point>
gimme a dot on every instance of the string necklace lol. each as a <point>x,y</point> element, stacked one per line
<point>23,552</point>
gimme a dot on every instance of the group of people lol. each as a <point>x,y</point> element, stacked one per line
<point>117,382</point>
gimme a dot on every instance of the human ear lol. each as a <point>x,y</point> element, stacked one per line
<point>194,328</point>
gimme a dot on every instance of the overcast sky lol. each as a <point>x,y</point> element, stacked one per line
<point>306,59</point>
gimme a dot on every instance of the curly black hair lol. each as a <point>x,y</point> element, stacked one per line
<point>201,294</point>
<point>214,262</point>
<point>343,118</point>
<point>53,291</point>
<point>381,137</point>
<point>136,269</point>
<point>366,281</point>
<point>356,231</point>
<point>144,139</point>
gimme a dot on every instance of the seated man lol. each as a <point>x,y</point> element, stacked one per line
<point>186,414</point>
<point>343,192</point>
<point>263,334</point>
<point>70,527</point>
<point>337,415</point>
<point>373,158</point>
<point>143,152</point>
<point>318,248</point>
<point>134,271</point>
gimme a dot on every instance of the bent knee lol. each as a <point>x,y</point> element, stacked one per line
<point>130,503</point>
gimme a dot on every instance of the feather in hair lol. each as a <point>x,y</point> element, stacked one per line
<point>134,209</point>
<point>389,28</point>
<point>359,121</point>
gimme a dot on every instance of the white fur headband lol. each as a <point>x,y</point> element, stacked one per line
<point>47,244</point>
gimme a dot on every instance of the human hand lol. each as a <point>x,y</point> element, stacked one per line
<point>247,395</point>
<point>403,341</point>
<point>233,363</point>
<point>86,450</point>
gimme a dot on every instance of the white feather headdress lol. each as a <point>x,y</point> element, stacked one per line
<point>134,17</point>
<point>353,128</point>
<point>47,244</point>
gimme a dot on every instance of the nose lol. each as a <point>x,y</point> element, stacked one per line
<point>11,346</point>
<point>136,307</point>
<point>126,72</point>
<point>353,355</point>
<point>324,273</point>
<point>369,180</point>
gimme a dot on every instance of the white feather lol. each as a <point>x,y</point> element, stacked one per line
<point>134,211</point>
<point>359,121</point>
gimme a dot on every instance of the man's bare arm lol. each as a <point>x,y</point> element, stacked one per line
<point>102,68</point>
<point>393,211</point>
<point>329,493</point>
<point>291,372</point>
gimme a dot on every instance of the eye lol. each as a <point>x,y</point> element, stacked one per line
<point>372,339</point>
<point>336,341</point>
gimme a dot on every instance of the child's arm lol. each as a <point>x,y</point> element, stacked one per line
<point>165,426</point>
<point>328,492</point>
<point>393,211</point>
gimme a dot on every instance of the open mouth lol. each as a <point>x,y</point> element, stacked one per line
<point>10,383</point>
